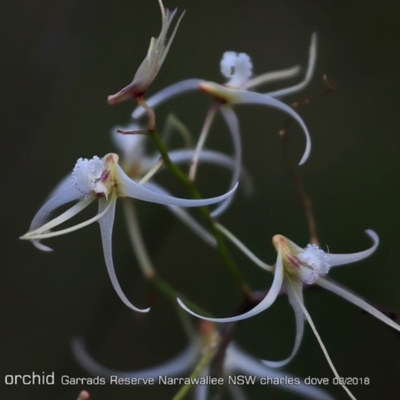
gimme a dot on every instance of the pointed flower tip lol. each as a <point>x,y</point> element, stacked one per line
<point>373,235</point>
<point>277,240</point>
<point>36,243</point>
<point>111,100</point>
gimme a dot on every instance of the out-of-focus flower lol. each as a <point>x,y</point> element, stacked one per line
<point>236,361</point>
<point>103,180</point>
<point>238,69</point>
<point>153,61</point>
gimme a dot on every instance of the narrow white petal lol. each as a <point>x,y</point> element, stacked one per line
<point>175,367</point>
<point>106,228</point>
<point>312,58</point>
<point>274,76</point>
<point>166,94</point>
<point>244,249</point>
<point>216,158</point>
<point>341,259</point>
<point>132,189</point>
<point>239,361</point>
<point>64,193</point>
<point>347,295</point>
<point>246,97</point>
<point>185,217</point>
<point>233,125</point>
<point>263,305</point>
<point>318,337</point>
<point>205,130</point>
<point>299,316</point>
<point>73,228</point>
<point>65,216</point>
<point>172,34</point>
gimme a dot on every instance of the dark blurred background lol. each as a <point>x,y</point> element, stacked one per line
<point>60,61</point>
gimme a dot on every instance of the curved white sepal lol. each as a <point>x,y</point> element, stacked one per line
<point>312,59</point>
<point>166,94</point>
<point>341,259</point>
<point>106,228</point>
<point>269,77</point>
<point>185,217</point>
<point>215,158</point>
<point>44,231</point>
<point>246,97</point>
<point>299,316</point>
<point>245,250</point>
<point>63,194</point>
<point>350,297</point>
<point>233,125</point>
<point>132,189</point>
<point>263,305</point>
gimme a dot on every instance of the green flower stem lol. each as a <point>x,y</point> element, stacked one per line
<point>223,250</point>
<point>204,361</point>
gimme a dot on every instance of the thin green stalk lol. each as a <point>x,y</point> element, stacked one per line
<point>228,260</point>
<point>204,361</point>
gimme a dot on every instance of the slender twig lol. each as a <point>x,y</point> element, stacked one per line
<point>150,113</point>
<point>305,199</point>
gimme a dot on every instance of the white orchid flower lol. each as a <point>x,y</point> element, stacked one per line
<point>236,361</point>
<point>237,68</point>
<point>153,61</point>
<point>104,180</point>
<point>294,268</point>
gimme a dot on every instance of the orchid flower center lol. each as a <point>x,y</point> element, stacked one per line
<point>315,263</point>
<point>237,67</point>
<point>306,265</point>
<point>95,175</point>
